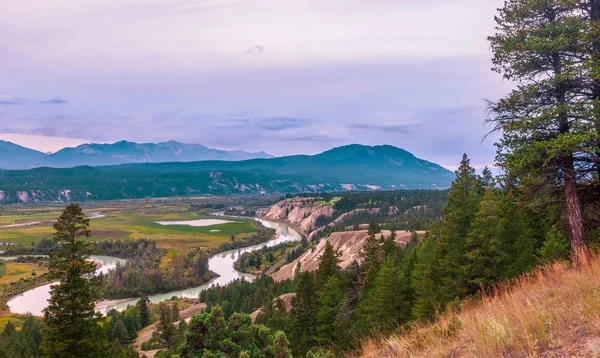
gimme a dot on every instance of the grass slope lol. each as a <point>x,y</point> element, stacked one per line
<point>552,312</point>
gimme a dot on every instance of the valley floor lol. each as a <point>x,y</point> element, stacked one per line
<point>552,312</point>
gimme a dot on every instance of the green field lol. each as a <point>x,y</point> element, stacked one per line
<point>130,222</point>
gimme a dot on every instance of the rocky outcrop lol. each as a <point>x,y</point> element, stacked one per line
<point>349,243</point>
<point>300,212</point>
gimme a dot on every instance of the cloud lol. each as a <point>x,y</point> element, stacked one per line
<point>267,123</point>
<point>399,127</point>
<point>8,99</point>
<point>255,49</point>
<point>55,100</point>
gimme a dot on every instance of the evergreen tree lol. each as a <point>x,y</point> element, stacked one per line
<point>330,301</point>
<point>555,247</point>
<point>119,332</point>
<point>9,331</point>
<point>274,315</point>
<point>500,245</point>
<point>303,314</point>
<point>175,312</point>
<point>389,245</point>
<point>210,335</point>
<point>142,305</point>
<point>462,204</point>
<point>165,328</point>
<point>426,283</point>
<point>328,265</point>
<point>281,346</point>
<point>372,258</point>
<point>486,253</point>
<point>549,121</point>
<point>389,302</point>
<point>373,227</point>
<point>72,324</point>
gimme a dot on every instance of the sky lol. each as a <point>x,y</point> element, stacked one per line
<point>281,76</point>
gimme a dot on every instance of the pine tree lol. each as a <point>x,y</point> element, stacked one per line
<point>462,204</point>
<point>142,305</point>
<point>555,247</point>
<point>389,303</point>
<point>372,258</point>
<point>328,265</point>
<point>72,324</point>
<point>165,328</point>
<point>486,254</point>
<point>426,279</point>
<point>500,245</point>
<point>303,314</point>
<point>281,346</point>
<point>389,245</point>
<point>549,122</point>
<point>175,312</point>
<point>9,331</point>
<point>119,332</point>
<point>330,301</point>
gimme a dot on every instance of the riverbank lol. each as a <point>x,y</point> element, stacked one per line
<point>222,263</point>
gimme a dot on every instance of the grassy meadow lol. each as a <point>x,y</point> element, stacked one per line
<point>129,222</point>
<point>15,271</point>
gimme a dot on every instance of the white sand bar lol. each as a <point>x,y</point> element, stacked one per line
<point>202,222</point>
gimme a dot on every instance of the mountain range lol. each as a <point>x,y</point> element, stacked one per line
<point>351,167</point>
<point>13,156</point>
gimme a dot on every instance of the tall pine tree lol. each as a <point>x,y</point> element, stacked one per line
<point>72,324</point>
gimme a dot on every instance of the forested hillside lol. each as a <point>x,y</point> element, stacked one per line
<point>380,167</point>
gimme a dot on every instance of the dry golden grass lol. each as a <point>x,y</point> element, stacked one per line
<point>552,312</point>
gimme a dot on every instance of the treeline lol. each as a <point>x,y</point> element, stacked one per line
<point>243,296</point>
<point>262,234</point>
<point>141,273</point>
<point>398,209</point>
<point>211,334</point>
<point>117,248</point>
<point>267,256</point>
<point>297,251</point>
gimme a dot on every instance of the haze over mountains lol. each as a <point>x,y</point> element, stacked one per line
<point>351,167</point>
<point>13,156</point>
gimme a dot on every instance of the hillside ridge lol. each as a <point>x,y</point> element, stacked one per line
<point>346,168</point>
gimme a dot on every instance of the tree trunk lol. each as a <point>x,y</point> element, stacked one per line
<point>595,19</point>
<point>579,250</point>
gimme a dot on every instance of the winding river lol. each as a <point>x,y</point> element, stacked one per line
<point>36,299</point>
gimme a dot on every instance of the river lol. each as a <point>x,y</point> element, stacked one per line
<point>36,299</point>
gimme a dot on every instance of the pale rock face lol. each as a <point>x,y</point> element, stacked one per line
<point>2,195</point>
<point>298,212</point>
<point>64,193</point>
<point>23,196</point>
<point>350,244</point>
<point>349,187</point>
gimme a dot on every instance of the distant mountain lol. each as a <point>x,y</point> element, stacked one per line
<point>352,167</point>
<point>13,156</point>
<point>128,152</point>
